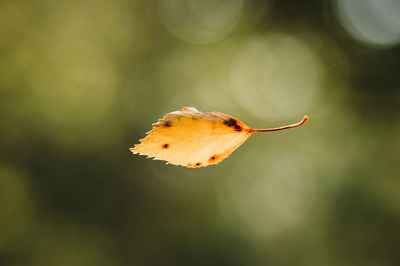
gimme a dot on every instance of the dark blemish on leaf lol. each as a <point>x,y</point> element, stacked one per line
<point>231,122</point>
<point>198,164</point>
<point>165,146</point>
<point>212,158</point>
<point>167,124</point>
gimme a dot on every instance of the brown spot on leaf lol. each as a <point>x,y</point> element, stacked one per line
<point>212,158</point>
<point>233,123</point>
<point>165,146</point>
<point>167,124</point>
<point>238,128</point>
<point>198,164</point>
<point>230,122</point>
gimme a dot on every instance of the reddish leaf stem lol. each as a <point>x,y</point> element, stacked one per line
<point>284,127</point>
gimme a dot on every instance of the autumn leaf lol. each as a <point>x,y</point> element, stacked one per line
<point>194,139</point>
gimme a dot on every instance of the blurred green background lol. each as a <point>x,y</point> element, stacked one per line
<point>82,81</point>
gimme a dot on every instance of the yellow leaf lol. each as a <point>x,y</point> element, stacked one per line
<point>194,139</point>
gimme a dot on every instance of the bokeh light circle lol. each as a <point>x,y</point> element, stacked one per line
<point>376,23</point>
<point>198,21</point>
<point>276,198</point>
<point>274,76</point>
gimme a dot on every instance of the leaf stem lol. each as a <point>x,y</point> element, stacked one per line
<point>284,127</point>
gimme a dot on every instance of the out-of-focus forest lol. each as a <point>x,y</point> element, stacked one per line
<point>82,81</point>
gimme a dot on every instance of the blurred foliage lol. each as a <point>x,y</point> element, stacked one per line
<point>81,81</point>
